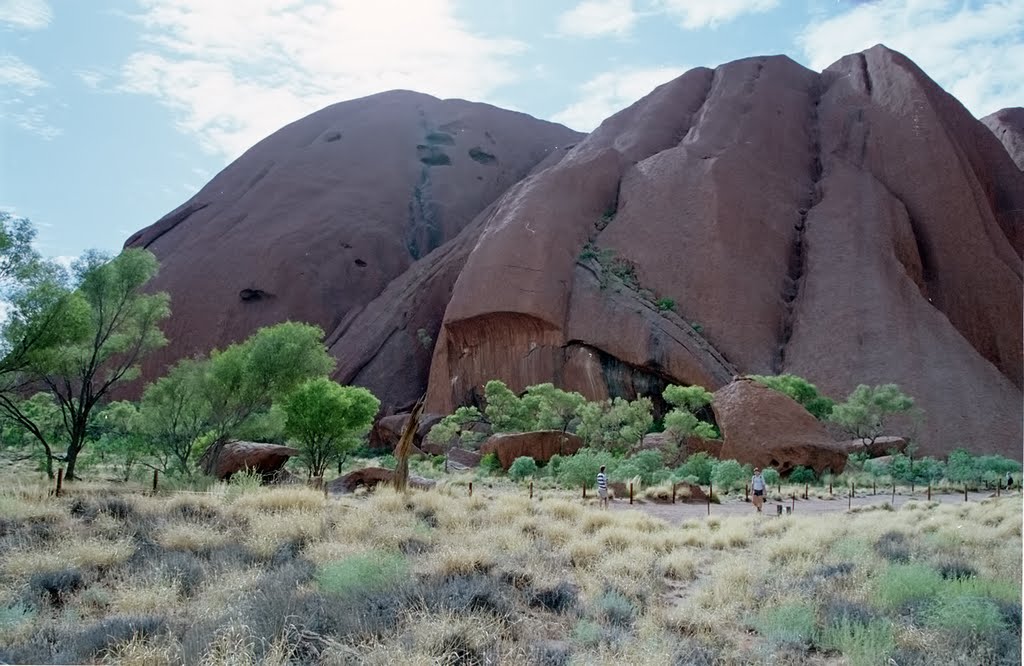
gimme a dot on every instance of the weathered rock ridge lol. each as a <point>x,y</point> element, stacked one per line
<point>852,226</point>
<point>1008,126</point>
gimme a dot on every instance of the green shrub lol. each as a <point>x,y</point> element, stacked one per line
<point>582,467</point>
<point>616,608</point>
<point>362,574</point>
<point>490,463</point>
<point>728,474</point>
<point>647,465</point>
<point>801,390</point>
<point>861,644</point>
<point>587,633</point>
<point>976,616</point>
<point>388,461</point>
<point>699,465</point>
<point>665,304</point>
<point>907,585</point>
<point>787,624</point>
<point>801,474</point>
<point>771,476</point>
<point>522,467</point>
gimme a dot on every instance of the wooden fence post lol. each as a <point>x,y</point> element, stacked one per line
<point>584,490</point>
<point>894,495</point>
<point>830,487</point>
<point>156,476</point>
<point>929,491</point>
<point>60,481</point>
<point>807,488</point>
<point>470,488</point>
<point>711,491</point>
<point>792,502</point>
<point>849,500</point>
<point>631,493</point>
<point>965,492</point>
<point>746,492</point>
<point>674,493</point>
<point>531,489</point>
<point>874,487</point>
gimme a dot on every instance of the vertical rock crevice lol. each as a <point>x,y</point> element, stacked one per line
<point>798,250</point>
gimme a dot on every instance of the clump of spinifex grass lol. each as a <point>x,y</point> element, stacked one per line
<point>254,575</point>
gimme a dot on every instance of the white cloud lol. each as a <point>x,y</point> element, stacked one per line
<point>695,14</point>
<point>236,71</point>
<point>17,74</point>
<point>610,92</point>
<point>25,14</point>
<point>974,52</point>
<point>597,18</point>
<point>92,78</point>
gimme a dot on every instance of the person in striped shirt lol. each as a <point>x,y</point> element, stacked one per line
<point>602,487</point>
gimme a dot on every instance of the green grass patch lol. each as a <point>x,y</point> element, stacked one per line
<point>861,644</point>
<point>976,616</point>
<point>787,624</point>
<point>903,585</point>
<point>363,574</point>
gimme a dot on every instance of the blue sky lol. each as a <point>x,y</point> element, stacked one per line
<point>113,112</point>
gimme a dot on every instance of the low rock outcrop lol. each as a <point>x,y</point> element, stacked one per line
<point>1008,126</point>
<point>371,477</point>
<point>388,431</point>
<point>766,428</point>
<point>539,445</point>
<point>222,459</point>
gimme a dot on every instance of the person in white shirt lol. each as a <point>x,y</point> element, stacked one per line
<point>758,485</point>
<point>602,487</point>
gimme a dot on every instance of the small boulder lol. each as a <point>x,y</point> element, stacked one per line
<point>464,457</point>
<point>539,445</point>
<point>693,444</point>
<point>766,428</point>
<point>388,431</point>
<point>224,458</point>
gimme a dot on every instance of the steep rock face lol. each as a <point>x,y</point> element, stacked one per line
<point>1008,126</point>
<point>312,223</point>
<point>854,226</point>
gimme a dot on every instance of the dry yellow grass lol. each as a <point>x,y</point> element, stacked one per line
<point>698,582</point>
<point>193,537</point>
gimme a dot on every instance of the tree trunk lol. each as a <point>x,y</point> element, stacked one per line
<point>405,447</point>
<point>71,458</point>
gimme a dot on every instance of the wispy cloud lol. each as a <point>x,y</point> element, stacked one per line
<point>598,18</point>
<point>25,14</point>
<point>92,78</point>
<point>974,52</point>
<point>19,82</point>
<point>235,72</point>
<point>610,92</point>
<point>696,14</point>
<point>16,74</point>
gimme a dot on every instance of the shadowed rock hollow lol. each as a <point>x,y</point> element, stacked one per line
<point>852,226</point>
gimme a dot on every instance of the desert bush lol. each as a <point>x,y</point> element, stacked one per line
<point>647,465</point>
<point>575,470</point>
<point>522,467</point>
<point>907,586</point>
<point>801,474</point>
<point>615,608</point>
<point>560,598</point>
<point>729,474</point>
<point>461,595</point>
<point>588,633</point>
<point>893,546</point>
<point>862,644</point>
<point>55,586</point>
<point>788,624</point>
<point>361,574</point>
<point>490,463</point>
<point>96,639</point>
<point>699,465</point>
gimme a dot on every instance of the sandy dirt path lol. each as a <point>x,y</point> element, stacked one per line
<point>677,513</point>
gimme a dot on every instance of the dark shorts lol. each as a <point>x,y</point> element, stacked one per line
<point>759,493</point>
